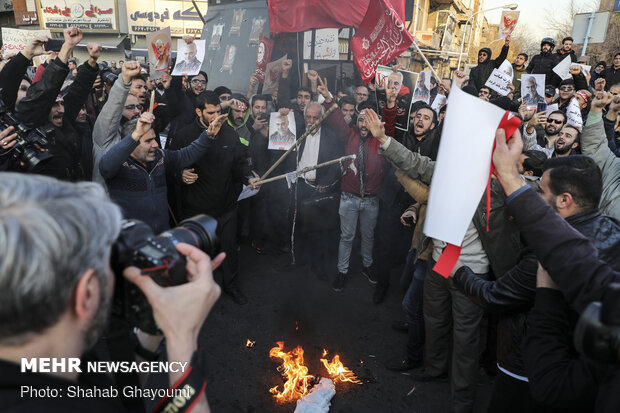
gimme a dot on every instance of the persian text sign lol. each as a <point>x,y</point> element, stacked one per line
<point>57,15</point>
<point>381,37</point>
<point>145,16</point>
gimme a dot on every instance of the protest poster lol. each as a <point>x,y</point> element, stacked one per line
<point>422,90</point>
<point>461,171</point>
<point>159,47</point>
<point>325,44</point>
<point>508,22</point>
<point>273,71</point>
<point>533,88</point>
<point>438,103</point>
<point>263,55</point>
<point>402,82</point>
<point>500,78</point>
<point>573,114</point>
<point>229,58</point>
<point>562,68</point>
<point>237,21</point>
<point>189,57</point>
<point>282,131</point>
<point>16,40</point>
<point>216,36</point>
<point>585,68</point>
<point>381,27</point>
<point>257,29</point>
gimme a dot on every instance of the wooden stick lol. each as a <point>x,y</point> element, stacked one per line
<point>307,169</point>
<point>427,62</point>
<point>312,128</point>
<point>152,101</point>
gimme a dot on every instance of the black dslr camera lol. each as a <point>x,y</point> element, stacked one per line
<point>158,258</point>
<point>107,73</point>
<point>597,334</point>
<point>29,142</point>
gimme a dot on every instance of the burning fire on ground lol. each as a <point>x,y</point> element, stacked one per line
<point>298,381</point>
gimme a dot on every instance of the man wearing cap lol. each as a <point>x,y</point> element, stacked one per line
<point>44,107</point>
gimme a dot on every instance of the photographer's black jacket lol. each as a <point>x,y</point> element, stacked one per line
<point>221,171</point>
<point>66,146</point>
<point>11,77</point>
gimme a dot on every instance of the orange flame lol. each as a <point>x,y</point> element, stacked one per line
<point>293,369</point>
<point>337,370</point>
<point>250,343</point>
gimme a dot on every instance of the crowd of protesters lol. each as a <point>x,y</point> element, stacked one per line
<point>511,303</point>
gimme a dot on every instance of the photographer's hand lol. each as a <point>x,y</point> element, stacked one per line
<point>180,311</point>
<point>7,139</point>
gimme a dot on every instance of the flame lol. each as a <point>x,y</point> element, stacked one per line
<point>250,343</point>
<point>297,378</point>
<point>337,370</point>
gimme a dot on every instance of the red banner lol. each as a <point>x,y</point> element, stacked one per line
<point>263,56</point>
<point>289,16</point>
<point>381,38</point>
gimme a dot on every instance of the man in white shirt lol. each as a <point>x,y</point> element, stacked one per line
<point>317,195</point>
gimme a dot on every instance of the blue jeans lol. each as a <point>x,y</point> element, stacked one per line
<point>412,305</point>
<point>351,208</point>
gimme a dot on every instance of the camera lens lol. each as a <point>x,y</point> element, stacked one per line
<point>198,231</point>
<point>32,158</point>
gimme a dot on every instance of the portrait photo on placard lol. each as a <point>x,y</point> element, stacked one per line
<point>229,58</point>
<point>159,44</point>
<point>422,90</point>
<point>533,88</point>
<point>282,131</point>
<point>189,57</point>
<point>402,83</point>
<point>237,21</point>
<point>257,28</point>
<point>216,36</point>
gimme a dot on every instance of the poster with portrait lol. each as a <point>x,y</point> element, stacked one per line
<point>422,90</point>
<point>229,58</point>
<point>159,44</point>
<point>402,83</point>
<point>237,21</point>
<point>273,71</point>
<point>189,57</point>
<point>507,23</point>
<point>263,56</point>
<point>257,29</point>
<point>500,78</point>
<point>216,36</point>
<point>282,131</point>
<point>533,88</point>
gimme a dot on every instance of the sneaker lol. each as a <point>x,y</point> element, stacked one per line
<point>236,295</point>
<point>403,364</point>
<point>339,282</point>
<point>369,274</point>
<point>379,295</point>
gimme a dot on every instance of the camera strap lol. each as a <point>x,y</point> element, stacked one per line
<point>186,392</point>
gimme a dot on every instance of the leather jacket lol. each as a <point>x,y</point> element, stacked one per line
<point>513,294</point>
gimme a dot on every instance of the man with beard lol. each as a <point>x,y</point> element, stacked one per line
<point>518,68</point>
<point>541,129</point>
<point>480,74</point>
<point>120,108</point>
<point>567,50</point>
<point>56,300</point>
<point>211,184</point>
<point>561,139</point>
<point>43,106</point>
<point>238,116</point>
<point>186,101</point>
<point>545,61</point>
<point>565,144</point>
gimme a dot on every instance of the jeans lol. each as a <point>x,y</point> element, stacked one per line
<point>351,208</point>
<point>412,305</point>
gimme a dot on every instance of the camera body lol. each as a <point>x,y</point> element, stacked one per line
<point>159,259</point>
<point>597,334</point>
<point>29,141</point>
<point>107,74</point>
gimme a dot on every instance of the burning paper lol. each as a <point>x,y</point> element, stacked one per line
<point>317,400</point>
<point>337,370</point>
<point>249,343</point>
<point>295,372</point>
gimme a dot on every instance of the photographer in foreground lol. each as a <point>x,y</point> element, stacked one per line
<point>56,287</point>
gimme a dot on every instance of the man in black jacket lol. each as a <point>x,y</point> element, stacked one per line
<point>573,187</point>
<point>43,106</point>
<point>314,230</point>
<point>544,62</point>
<point>210,186</point>
<point>567,50</point>
<point>480,74</point>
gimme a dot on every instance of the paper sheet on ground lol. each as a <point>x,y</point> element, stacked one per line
<point>247,192</point>
<point>462,170</point>
<point>500,78</point>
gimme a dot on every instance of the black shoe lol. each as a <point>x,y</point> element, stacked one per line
<point>424,377</point>
<point>369,274</point>
<point>379,295</point>
<point>339,282</point>
<point>401,326</point>
<point>403,364</point>
<point>236,295</point>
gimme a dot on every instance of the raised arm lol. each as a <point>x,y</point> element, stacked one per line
<point>183,158</point>
<point>78,91</point>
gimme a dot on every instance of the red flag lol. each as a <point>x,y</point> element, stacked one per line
<point>381,37</point>
<point>263,56</point>
<point>289,16</point>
